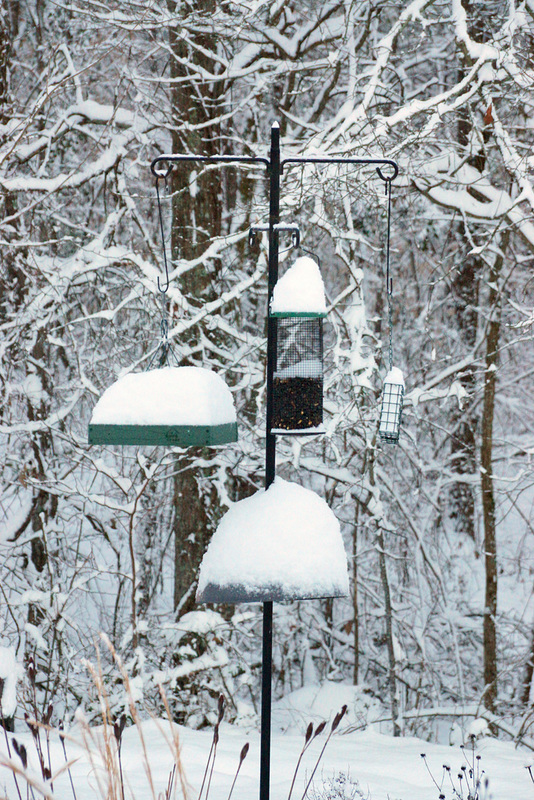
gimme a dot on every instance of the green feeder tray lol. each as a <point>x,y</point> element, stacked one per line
<point>171,406</point>
<point>166,435</point>
<point>293,314</point>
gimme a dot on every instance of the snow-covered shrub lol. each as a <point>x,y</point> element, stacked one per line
<point>338,787</point>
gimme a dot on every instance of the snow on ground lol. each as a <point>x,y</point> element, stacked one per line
<point>385,768</point>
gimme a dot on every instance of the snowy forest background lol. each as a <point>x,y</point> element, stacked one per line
<point>439,529</point>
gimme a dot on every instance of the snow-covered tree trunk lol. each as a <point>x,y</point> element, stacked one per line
<point>486,477</point>
<point>196,218</point>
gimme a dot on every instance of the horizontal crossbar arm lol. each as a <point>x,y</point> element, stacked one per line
<point>359,161</point>
<point>171,159</point>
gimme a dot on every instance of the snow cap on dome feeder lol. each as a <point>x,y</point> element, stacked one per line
<point>282,543</point>
<point>299,306</point>
<point>391,410</point>
<point>170,406</point>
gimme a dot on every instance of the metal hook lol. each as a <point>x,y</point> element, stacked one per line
<point>311,253</point>
<point>389,178</point>
<point>163,173</point>
<point>164,290</point>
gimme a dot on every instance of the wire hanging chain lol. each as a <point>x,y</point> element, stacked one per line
<point>164,347</point>
<point>162,237</point>
<point>389,281</point>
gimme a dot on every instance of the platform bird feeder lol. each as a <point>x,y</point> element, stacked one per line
<point>170,406</point>
<point>298,305</point>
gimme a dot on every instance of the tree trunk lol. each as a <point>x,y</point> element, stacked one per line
<point>192,531</point>
<point>355,622</point>
<point>464,290</point>
<point>526,686</point>
<point>486,469</point>
<point>389,634</point>
<point>196,217</point>
<point>463,440</point>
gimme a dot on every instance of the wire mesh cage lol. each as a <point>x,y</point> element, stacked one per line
<point>391,410</point>
<point>298,375</point>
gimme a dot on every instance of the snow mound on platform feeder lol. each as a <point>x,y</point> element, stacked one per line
<point>283,543</point>
<point>300,290</point>
<point>166,396</point>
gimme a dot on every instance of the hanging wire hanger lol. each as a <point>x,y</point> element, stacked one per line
<point>165,348</point>
<point>389,281</point>
<point>160,214</point>
<point>311,253</point>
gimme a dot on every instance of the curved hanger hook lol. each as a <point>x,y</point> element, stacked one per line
<point>386,178</point>
<point>162,172</point>
<point>164,289</point>
<point>311,253</point>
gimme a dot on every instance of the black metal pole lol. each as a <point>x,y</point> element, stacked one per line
<point>270,460</point>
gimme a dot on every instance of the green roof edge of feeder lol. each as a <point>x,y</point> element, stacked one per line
<point>310,314</point>
<point>166,435</point>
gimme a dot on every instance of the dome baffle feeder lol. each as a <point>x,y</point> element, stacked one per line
<point>170,406</point>
<point>298,307</point>
<point>282,543</point>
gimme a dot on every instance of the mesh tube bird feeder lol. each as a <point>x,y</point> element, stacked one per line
<point>298,306</point>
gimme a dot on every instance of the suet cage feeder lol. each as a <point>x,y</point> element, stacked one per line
<point>391,409</point>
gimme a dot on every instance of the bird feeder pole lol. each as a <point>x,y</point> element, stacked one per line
<point>161,166</point>
<point>270,462</point>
